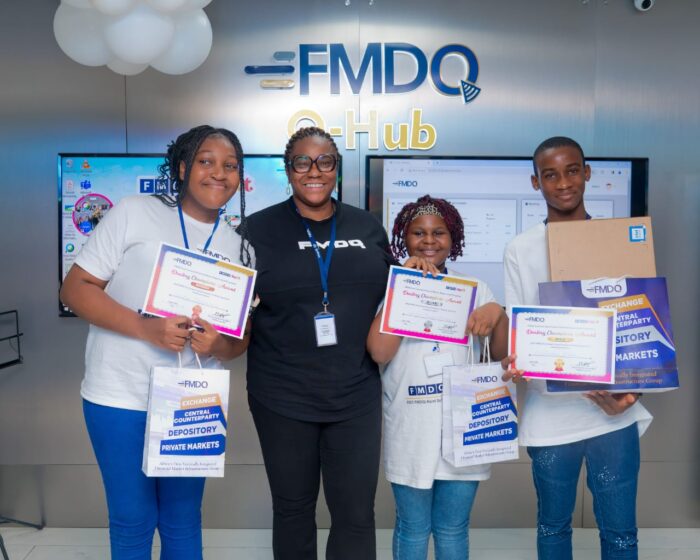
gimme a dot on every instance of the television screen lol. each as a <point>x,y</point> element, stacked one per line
<point>495,198</point>
<point>90,184</point>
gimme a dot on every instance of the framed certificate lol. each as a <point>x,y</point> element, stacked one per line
<point>428,307</point>
<point>567,343</point>
<point>184,282</point>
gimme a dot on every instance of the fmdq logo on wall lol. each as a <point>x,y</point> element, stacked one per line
<point>378,67</point>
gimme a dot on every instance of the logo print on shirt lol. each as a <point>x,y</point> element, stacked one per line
<point>339,244</point>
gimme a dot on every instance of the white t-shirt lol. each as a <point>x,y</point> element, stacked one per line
<point>121,251</point>
<point>413,424</point>
<point>553,419</point>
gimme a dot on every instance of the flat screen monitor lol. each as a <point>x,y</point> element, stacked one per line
<point>90,184</point>
<point>495,198</point>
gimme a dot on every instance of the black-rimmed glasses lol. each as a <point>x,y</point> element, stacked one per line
<point>324,163</point>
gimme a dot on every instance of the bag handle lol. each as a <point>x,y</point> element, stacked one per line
<point>487,349</point>
<point>196,356</point>
<point>470,355</point>
<point>487,352</point>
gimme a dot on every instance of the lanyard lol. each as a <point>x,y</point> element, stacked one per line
<point>324,265</point>
<point>184,231</point>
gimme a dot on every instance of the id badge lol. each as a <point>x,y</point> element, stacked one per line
<point>325,329</point>
<point>435,361</point>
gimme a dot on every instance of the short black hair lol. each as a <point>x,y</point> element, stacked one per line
<point>556,142</point>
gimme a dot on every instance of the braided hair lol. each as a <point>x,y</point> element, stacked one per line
<point>427,205</point>
<point>302,133</point>
<point>183,150</point>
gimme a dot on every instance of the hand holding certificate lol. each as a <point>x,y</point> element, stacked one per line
<point>187,282</point>
<point>427,307</point>
<point>570,343</point>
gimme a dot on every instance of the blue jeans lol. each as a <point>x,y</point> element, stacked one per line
<point>138,504</point>
<point>443,510</point>
<point>612,463</point>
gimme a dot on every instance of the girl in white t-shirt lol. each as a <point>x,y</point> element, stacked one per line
<point>431,495</point>
<point>106,286</point>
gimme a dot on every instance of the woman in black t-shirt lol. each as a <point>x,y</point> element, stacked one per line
<point>314,392</point>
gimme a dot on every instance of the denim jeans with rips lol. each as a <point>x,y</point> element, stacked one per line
<point>612,464</point>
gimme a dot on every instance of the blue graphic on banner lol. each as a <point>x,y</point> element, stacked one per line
<point>199,416</point>
<point>205,445</point>
<point>479,410</point>
<point>503,432</point>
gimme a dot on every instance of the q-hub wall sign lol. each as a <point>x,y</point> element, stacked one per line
<point>378,67</point>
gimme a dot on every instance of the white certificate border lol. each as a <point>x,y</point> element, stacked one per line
<point>165,248</point>
<point>515,310</point>
<point>384,328</point>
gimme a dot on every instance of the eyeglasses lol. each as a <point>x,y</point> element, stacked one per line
<point>324,163</point>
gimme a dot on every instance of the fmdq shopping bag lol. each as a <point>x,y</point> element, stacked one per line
<point>479,415</point>
<point>645,355</point>
<point>186,422</point>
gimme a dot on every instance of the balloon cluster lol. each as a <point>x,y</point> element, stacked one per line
<point>172,36</point>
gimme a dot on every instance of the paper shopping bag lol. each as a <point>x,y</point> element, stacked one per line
<point>645,356</point>
<point>186,422</point>
<point>480,417</point>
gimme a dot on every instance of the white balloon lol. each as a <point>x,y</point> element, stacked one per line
<point>126,68</point>
<point>113,7</point>
<point>167,5</point>
<point>140,35</point>
<point>193,39</point>
<point>79,33</point>
<point>77,3</point>
<point>197,4</point>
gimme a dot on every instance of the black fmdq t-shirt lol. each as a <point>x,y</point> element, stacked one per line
<point>287,372</point>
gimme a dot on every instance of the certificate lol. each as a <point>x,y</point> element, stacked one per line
<point>185,282</point>
<point>428,307</point>
<point>569,343</point>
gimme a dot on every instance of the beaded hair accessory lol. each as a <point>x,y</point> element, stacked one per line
<point>427,210</point>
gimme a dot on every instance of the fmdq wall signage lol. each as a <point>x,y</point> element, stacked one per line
<point>378,67</point>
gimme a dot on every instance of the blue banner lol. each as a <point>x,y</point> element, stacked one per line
<point>503,432</point>
<point>199,416</point>
<point>495,406</point>
<point>205,445</point>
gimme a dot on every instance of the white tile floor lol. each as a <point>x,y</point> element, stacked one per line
<point>219,544</point>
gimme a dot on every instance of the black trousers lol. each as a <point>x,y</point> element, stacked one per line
<point>297,454</point>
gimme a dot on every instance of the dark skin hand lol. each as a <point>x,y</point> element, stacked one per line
<point>487,320</point>
<point>85,295</point>
<point>611,403</point>
<point>207,341</point>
